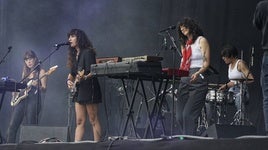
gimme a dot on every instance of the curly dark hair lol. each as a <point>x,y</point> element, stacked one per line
<point>193,27</point>
<point>83,43</point>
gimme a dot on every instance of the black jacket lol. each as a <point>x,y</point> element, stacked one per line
<point>260,21</point>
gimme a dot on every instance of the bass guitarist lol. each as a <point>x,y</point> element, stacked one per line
<point>28,109</point>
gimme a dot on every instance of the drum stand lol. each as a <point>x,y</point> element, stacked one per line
<point>221,112</point>
<point>202,122</point>
<point>239,117</point>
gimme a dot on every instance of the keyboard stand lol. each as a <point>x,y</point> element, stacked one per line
<point>130,104</point>
<point>157,107</point>
<point>1,102</point>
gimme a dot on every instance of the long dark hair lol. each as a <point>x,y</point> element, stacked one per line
<point>193,27</point>
<point>26,70</point>
<point>83,43</point>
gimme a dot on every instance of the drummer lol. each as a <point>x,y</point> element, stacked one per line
<point>238,73</point>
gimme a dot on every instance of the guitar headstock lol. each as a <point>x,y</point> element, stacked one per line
<point>51,70</point>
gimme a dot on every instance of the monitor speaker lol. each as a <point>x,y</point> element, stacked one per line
<point>39,133</point>
<point>229,131</point>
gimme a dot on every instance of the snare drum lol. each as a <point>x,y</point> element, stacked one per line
<point>211,95</point>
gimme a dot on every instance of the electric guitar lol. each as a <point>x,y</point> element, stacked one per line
<point>74,88</point>
<point>19,96</point>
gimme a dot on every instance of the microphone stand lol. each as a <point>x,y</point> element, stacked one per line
<point>4,57</point>
<point>164,44</point>
<point>3,94</point>
<point>175,49</point>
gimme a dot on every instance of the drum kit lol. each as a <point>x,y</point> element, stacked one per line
<point>219,100</point>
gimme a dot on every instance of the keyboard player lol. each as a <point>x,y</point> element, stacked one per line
<point>192,89</point>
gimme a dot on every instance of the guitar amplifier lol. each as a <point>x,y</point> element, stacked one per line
<point>126,68</point>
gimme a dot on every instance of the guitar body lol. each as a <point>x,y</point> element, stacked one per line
<point>75,87</point>
<point>74,91</point>
<point>19,96</point>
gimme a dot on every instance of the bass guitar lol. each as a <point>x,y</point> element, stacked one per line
<point>19,96</point>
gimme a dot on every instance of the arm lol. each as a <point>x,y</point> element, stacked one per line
<point>245,70</point>
<point>182,49</point>
<point>43,80</point>
<point>89,59</point>
<point>70,81</point>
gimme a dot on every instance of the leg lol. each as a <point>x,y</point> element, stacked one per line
<point>80,112</point>
<point>193,107</point>
<point>32,109</point>
<point>183,96</point>
<point>210,112</point>
<point>16,119</point>
<point>92,110</point>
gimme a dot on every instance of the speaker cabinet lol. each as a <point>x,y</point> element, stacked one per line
<point>229,131</point>
<point>38,133</point>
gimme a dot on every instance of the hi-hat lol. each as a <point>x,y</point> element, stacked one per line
<point>242,80</point>
<point>214,85</point>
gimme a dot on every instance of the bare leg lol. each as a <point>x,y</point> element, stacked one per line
<point>80,111</point>
<point>92,110</point>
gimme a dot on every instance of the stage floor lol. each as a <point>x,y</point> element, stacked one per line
<point>169,143</point>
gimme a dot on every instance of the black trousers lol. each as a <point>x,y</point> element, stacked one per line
<point>191,100</point>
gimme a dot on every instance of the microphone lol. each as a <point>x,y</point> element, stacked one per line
<point>9,48</point>
<point>62,44</point>
<point>252,56</point>
<point>3,59</point>
<point>168,28</point>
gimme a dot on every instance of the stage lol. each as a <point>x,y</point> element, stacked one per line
<point>168,143</point>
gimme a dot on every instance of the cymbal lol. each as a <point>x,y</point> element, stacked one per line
<point>242,80</point>
<point>214,85</point>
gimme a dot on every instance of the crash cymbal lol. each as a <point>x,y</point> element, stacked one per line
<point>242,80</point>
<point>214,85</point>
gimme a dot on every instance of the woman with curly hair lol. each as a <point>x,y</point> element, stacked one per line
<point>87,94</point>
<point>193,88</point>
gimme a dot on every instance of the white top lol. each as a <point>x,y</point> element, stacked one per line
<point>196,57</point>
<point>234,73</point>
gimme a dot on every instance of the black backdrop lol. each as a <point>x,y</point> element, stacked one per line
<point>119,28</point>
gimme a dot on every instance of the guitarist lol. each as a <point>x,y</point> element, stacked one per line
<point>28,109</point>
<point>81,56</point>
